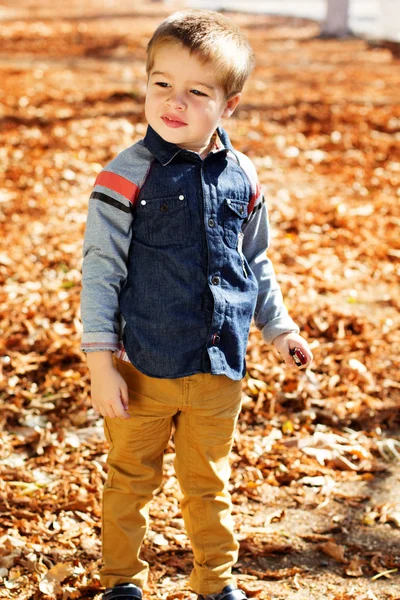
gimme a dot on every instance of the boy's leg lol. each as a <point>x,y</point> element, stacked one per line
<point>135,471</point>
<point>203,441</point>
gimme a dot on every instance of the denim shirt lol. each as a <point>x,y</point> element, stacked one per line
<point>175,262</point>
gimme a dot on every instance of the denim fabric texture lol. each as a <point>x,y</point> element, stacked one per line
<point>186,303</point>
<point>175,252</point>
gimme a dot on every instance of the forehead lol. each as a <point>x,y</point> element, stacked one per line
<point>176,61</point>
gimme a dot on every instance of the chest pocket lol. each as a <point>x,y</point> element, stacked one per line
<point>165,221</point>
<point>235,212</point>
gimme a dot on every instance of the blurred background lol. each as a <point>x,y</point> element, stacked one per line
<point>316,460</point>
<point>374,18</point>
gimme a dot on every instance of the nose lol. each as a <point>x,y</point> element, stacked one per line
<point>176,101</point>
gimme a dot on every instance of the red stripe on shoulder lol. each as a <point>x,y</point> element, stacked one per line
<point>118,184</point>
<point>254,198</point>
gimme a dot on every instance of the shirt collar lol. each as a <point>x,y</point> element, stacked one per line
<point>164,151</point>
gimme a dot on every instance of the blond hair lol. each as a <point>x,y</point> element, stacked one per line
<point>213,39</point>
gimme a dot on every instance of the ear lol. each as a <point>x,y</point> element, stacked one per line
<point>231,104</point>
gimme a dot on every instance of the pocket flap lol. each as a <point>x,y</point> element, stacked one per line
<point>236,206</point>
<point>166,206</point>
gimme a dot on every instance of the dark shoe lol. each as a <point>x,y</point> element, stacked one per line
<point>230,592</point>
<point>123,591</point>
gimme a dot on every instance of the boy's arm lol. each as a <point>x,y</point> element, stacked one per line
<point>270,315</point>
<point>104,270</point>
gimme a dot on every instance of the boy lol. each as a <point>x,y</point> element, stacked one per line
<point>174,268</point>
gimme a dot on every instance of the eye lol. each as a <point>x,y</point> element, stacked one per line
<point>198,93</point>
<point>162,84</point>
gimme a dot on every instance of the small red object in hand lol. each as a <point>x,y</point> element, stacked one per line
<point>298,356</point>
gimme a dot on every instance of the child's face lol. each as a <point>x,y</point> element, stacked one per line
<point>184,102</point>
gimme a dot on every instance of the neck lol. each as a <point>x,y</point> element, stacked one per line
<point>203,153</point>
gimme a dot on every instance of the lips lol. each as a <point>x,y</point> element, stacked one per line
<point>172,121</point>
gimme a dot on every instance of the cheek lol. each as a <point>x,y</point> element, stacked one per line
<point>208,114</point>
<point>149,105</point>
<point>154,100</point>
<point>146,110</point>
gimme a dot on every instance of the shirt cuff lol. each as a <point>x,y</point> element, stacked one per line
<point>95,342</point>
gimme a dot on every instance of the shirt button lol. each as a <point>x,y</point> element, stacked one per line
<point>143,202</point>
<point>181,197</point>
<point>215,280</point>
<point>215,339</point>
<point>164,207</point>
<point>211,222</point>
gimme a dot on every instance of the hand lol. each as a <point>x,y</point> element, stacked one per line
<point>284,342</point>
<point>109,393</point>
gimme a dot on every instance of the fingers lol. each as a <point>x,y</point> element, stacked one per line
<point>114,408</point>
<point>122,405</point>
<point>295,356</point>
<point>124,397</point>
<point>113,411</point>
<point>121,408</point>
<point>300,358</point>
<point>105,410</point>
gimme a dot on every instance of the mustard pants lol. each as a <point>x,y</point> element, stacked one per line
<point>204,409</point>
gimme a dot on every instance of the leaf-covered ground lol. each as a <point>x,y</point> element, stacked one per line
<point>315,466</point>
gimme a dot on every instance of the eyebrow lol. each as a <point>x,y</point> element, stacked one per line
<point>210,87</point>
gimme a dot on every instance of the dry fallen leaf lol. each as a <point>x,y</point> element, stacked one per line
<point>50,584</point>
<point>334,550</point>
<point>354,568</point>
<point>320,120</point>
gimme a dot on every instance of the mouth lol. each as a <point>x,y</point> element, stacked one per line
<point>172,121</point>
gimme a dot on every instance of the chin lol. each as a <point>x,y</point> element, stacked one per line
<point>174,137</point>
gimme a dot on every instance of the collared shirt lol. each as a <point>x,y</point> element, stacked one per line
<point>175,262</point>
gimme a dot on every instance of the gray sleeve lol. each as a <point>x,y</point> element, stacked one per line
<point>271,315</point>
<point>104,270</point>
